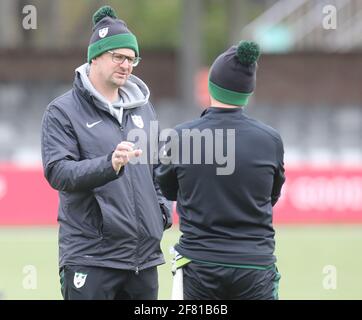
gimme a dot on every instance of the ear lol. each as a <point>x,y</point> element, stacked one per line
<point>94,61</point>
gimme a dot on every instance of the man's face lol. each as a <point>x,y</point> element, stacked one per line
<point>113,72</point>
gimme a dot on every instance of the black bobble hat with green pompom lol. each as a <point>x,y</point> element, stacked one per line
<point>109,33</point>
<point>232,76</point>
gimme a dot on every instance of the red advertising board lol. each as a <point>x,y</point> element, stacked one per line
<point>26,197</point>
<point>310,195</point>
<point>328,194</point>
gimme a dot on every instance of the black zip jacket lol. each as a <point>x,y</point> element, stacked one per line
<point>105,219</point>
<point>227,218</point>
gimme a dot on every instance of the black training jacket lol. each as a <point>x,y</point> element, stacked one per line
<point>226,218</point>
<point>105,219</point>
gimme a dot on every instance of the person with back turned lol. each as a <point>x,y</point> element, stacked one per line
<point>226,250</point>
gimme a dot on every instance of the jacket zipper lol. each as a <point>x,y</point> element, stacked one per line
<point>121,127</point>
<point>135,210</point>
<point>138,228</point>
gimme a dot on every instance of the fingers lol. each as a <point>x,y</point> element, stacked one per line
<point>121,157</point>
<point>123,153</point>
<point>128,147</point>
<point>125,145</point>
<point>135,153</point>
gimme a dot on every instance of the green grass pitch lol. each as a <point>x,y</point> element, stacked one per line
<point>305,254</point>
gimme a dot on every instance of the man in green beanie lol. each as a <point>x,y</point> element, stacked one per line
<point>226,250</point>
<point>112,213</point>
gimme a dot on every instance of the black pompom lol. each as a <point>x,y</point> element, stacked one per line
<point>105,11</point>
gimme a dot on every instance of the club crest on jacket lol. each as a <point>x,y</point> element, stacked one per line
<point>137,120</point>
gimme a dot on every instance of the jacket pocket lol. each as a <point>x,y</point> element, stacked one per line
<point>119,221</point>
<point>82,212</point>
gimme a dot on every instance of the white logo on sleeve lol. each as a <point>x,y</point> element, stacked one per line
<point>79,279</point>
<point>91,125</point>
<point>103,32</point>
<point>137,120</point>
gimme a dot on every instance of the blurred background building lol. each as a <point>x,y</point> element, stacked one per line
<point>309,75</point>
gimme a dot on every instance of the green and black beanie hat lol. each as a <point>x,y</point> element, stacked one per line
<point>109,33</point>
<point>232,76</point>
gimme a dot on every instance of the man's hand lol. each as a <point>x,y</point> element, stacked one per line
<point>123,153</point>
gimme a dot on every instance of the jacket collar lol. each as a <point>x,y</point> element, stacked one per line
<point>221,112</point>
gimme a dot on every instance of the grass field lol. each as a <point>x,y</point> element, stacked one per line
<point>303,252</point>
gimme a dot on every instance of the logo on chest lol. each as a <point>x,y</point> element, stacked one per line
<point>91,125</point>
<point>137,120</point>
